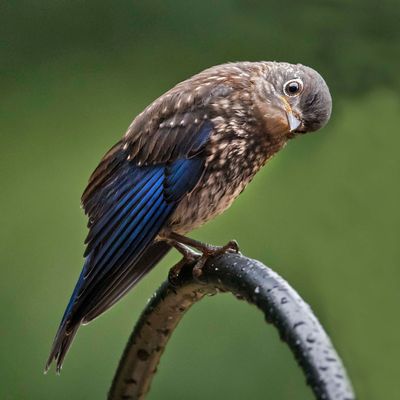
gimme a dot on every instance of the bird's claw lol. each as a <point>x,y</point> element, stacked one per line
<point>182,243</point>
<point>231,247</point>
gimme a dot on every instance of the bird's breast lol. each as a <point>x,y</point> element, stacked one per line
<point>234,155</point>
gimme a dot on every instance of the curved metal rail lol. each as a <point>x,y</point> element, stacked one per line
<point>253,282</point>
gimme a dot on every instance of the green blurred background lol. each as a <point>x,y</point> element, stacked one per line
<point>324,213</point>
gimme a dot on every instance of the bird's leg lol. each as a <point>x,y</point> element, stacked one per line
<point>188,256</point>
<point>207,250</point>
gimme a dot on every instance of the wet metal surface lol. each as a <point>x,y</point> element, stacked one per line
<point>249,280</point>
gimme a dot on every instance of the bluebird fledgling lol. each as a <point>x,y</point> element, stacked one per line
<point>182,162</point>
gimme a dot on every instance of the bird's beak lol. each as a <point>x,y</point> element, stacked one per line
<point>294,122</point>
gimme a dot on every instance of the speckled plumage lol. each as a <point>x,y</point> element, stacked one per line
<point>183,161</point>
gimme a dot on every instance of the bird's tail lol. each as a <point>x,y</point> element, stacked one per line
<point>61,344</point>
<point>73,316</point>
<point>66,331</point>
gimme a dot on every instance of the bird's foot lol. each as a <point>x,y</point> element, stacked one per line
<point>181,243</point>
<point>213,251</point>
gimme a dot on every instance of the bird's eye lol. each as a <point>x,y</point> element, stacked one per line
<point>293,87</point>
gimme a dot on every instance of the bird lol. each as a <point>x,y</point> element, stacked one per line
<point>181,163</point>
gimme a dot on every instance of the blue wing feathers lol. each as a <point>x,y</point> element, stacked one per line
<point>182,175</point>
<point>125,282</point>
<point>128,192</point>
<point>133,225</point>
<point>119,274</point>
<point>127,216</point>
<point>128,205</point>
<point>140,203</point>
<point>74,293</point>
<point>129,236</point>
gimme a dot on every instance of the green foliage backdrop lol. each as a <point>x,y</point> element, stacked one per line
<point>323,213</point>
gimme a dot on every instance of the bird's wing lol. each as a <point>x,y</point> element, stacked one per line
<point>129,198</point>
<point>128,204</point>
<point>132,207</point>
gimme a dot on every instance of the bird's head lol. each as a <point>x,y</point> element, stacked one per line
<point>292,99</point>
